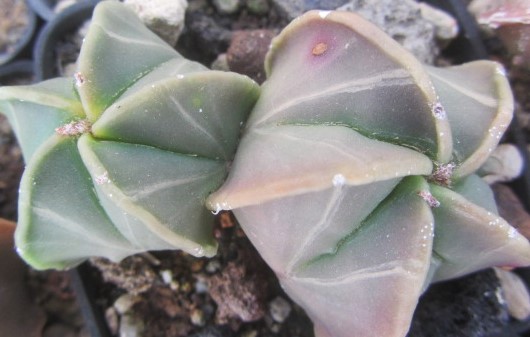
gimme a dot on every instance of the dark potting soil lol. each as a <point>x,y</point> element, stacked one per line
<point>11,167</point>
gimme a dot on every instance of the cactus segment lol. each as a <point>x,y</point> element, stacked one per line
<point>355,179</point>
<point>121,158</point>
<point>47,106</point>
<point>479,105</point>
<point>61,221</point>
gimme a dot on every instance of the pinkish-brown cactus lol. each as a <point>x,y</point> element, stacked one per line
<point>355,179</point>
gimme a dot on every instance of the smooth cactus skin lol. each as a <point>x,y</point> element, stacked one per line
<point>355,178</point>
<point>121,158</point>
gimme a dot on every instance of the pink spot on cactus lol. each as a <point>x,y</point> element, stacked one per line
<point>319,49</point>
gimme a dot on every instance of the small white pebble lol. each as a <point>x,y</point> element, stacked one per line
<point>279,309</point>
<point>197,317</point>
<point>167,276</point>
<point>213,266</point>
<point>201,286</point>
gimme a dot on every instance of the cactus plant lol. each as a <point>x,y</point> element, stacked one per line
<point>355,175</point>
<point>121,158</point>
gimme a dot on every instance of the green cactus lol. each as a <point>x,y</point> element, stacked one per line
<point>355,178</point>
<point>121,158</point>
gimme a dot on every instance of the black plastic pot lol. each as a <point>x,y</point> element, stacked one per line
<point>25,41</point>
<point>15,71</point>
<point>521,186</point>
<point>468,45</point>
<point>44,8</point>
<point>62,24</point>
<point>83,284</point>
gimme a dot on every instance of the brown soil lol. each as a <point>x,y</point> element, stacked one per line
<point>11,167</point>
<point>177,295</point>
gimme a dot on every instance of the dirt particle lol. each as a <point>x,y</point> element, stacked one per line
<point>132,274</point>
<point>237,294</point>
<point>247,51</point>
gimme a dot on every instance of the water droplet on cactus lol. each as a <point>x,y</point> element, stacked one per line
<point>495,222</point>
<point>198,251</point>
<point>500,70</point>
<point>338,180</point>
<point>323,14</point>
<point>218,209</point>
<point>20,251</point>
<point>495,132</point>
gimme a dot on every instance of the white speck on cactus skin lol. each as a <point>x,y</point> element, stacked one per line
<point>79,79</point>
<point>103,178</point>
<point>338,180</point>
<point>219,207</point>
<point>438,111</point>
<point>323,14</point>
<point>199,251</point>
